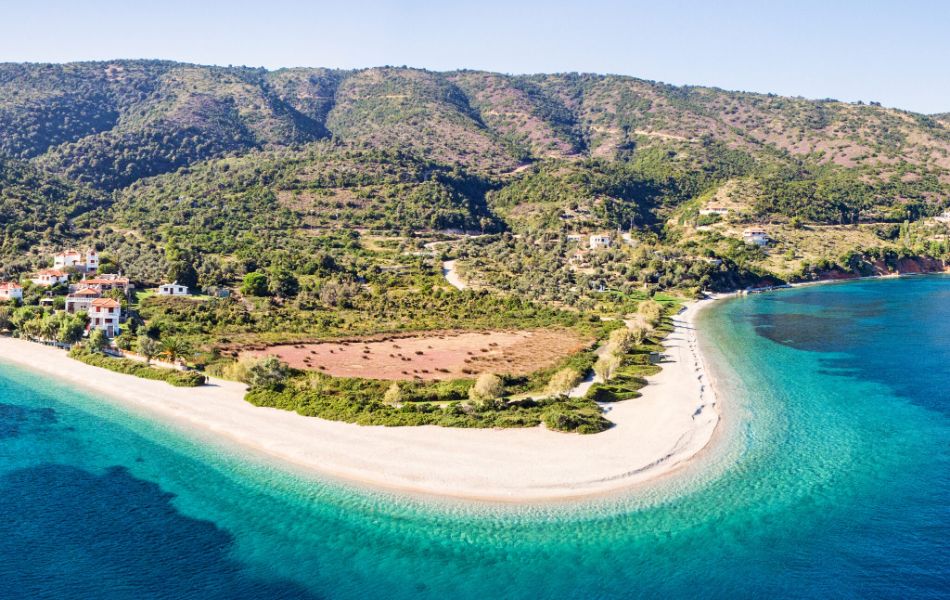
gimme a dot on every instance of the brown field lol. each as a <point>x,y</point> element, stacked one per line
<point>445,355</point>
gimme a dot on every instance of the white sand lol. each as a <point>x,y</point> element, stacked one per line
<point>654,435</point>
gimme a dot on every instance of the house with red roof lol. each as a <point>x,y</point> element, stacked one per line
<point>10,290</point>
<point>49,277</point>
<point>81,300</point>
<point>104,314</point>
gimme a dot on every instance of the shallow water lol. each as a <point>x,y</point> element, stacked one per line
<point>831,478</point>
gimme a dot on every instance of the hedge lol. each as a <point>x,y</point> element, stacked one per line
<point>138,369</point>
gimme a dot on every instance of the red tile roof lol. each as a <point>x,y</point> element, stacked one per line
<point>106,303</point>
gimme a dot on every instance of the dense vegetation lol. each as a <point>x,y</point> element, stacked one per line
<point>138,369</point>
<point>307,204</point>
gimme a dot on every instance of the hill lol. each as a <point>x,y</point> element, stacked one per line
<point>227,162</point>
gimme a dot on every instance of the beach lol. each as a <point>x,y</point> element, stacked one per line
<point>653,435</point>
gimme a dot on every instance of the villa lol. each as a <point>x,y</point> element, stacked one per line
<point>599,241</point>
<point>172,289</point>
<point>49,277</point>
<point>81,300</point>
<point>104,315</point>
<point>10,290</point>
<point>104,283</point>
<point>756,237</point>
<point>87,263</point>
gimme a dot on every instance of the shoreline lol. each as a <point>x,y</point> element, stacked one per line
<point>660,432</point>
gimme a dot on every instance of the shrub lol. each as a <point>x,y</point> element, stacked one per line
<point>488,388</point>
<point>574,416</point>
<point>651,311</point>
<point>267,373</point>
<point>563,381</point>
<point>393,395</point>
<point>606,366</point>
<point>138,369</point>
<point>255,284</point>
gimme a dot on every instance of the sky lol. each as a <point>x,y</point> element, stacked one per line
<point>896,53</point>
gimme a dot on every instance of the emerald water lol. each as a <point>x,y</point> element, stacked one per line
<point>830,478</point>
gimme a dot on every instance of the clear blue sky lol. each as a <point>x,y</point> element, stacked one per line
<point>897,53</point>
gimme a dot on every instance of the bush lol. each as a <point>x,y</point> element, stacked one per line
<point>487,388</point>
<point>563,381</point>
<point>138,369</point>
<point>575,416</point>
<point>610,393</point>
<point>267,373</point>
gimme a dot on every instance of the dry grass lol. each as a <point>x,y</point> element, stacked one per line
<point>433,356</point>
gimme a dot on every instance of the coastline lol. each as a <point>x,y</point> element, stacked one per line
<point>658,433</point>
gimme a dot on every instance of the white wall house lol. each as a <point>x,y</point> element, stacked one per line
<point>599,241</point>
<point>10,290</point>
<point>104,283</point>
<point>81,300</point>
<point>88,262</point>
<point>172,289</point>
<point>49,277</point>
<point>104,314</point>
<point>714,210</point>
<point>70,258</point>
<point>944,217</point>
<point>92,261</point>
<point>756,237</point>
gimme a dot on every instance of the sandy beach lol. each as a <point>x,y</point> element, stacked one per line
<point>654,435</point>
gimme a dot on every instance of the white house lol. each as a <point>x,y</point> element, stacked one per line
<point>69,258</point>
<point>756,237</point>
<point>944,217</point>
<point>88,262</point>
<point>104,283</point>
<point>92,261</point>
<point>714,210</point>
<point>599,241</point>
<point>172,289</point>
<point>10,290</point>
<point>81,300</point>
<point>104,314</point>
<point>49,277</point>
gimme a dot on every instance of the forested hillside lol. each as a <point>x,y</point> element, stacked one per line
<point>225,162</point>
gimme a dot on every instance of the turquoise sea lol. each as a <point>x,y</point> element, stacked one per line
<point>829,479</point>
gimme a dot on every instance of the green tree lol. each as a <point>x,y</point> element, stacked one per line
<point>148,347</point>
<point>268,373</point>
<point>181,266</point>
<point>71,329</point>
<point>283,283</point>
<point>255,284</point>
<point>97,341</point>
<point>175,348</point>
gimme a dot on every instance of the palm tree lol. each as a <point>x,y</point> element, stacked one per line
<point>175,348</point>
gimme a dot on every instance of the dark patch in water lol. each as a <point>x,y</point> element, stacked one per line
<point>14,418</point>
<point>802,331</point>
<point>68,533</point>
